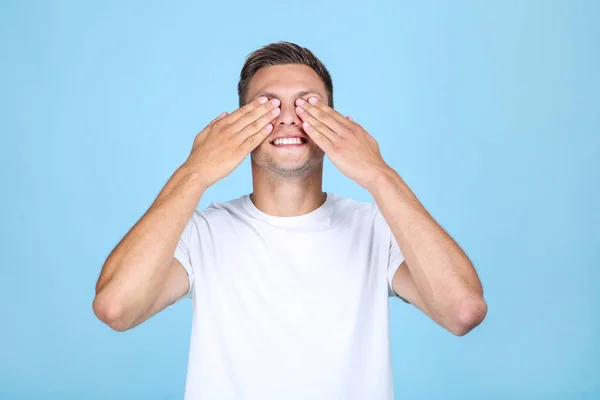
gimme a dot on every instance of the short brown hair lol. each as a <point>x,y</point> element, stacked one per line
<point>278,54</point>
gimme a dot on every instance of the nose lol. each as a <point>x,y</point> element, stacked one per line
<point>287,116</point>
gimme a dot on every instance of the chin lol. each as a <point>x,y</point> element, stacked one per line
<point>290,168</point>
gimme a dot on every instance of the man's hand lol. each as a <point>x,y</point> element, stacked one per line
<point>228,139</point>
<point>346,143</point>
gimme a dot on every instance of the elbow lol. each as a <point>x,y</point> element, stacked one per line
<point>468,316</point>
<point>110,312</point>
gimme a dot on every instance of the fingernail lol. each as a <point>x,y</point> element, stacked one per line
<point>276,102</point>
<point>312,100</point>
<point>306,125</point>
<point>299,110</point>
<point>262,100</point>
<point>299,102</point>
<point>276,110</point>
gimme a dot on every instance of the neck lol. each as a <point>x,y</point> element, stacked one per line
<point>287,196</point>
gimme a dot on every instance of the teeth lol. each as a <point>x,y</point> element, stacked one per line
<point>288,141</point>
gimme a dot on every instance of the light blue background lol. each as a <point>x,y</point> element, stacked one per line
<point>489,110</point>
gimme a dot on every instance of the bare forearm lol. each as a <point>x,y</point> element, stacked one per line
<point>134,272</point>
<point>443,274</point>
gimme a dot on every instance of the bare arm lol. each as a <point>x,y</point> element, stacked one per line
<point>140,276</point>
<point>439,279</point>
<point>442,280</point>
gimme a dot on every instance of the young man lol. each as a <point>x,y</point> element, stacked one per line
<point>290,286</point>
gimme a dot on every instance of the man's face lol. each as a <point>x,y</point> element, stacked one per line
<point>287,83</point>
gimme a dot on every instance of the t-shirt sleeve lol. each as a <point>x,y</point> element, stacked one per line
<point>183,253</point>
<point>395,257</point>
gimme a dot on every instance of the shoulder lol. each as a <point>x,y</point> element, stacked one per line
<point>213,219</point>
<point>219,211</point>
<point>347,206</point>
<point>367,211</point>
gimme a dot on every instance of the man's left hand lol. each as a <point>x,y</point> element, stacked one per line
<point>349,147</point>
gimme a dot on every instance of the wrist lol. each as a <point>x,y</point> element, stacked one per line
<point>381,177</point>
<point>192,177</point>
<point>389,182</point>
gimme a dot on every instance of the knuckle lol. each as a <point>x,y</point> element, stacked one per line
<point>217,125</point>
<point>243,111</point>
<point>265,109</point>
<point>254,115</point>
<point>249,144</point>
<point>256,125</point>
<point>223,128</point>
<point>254,140</point>
<point>267,118</point>
<point>255,112</point>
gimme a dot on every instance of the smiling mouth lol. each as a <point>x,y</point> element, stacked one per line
<point>288,142</point>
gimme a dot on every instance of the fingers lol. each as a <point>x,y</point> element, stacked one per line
<point>218,118</point>
<point>323,113</point>
<point>240,112</point>
<point>253,141</point>
<point>259,124</point>
<point>261,102</point>
<point>321,128</point>
<point>255,118</point>
<point>318,137</point>
<point>258,106</point>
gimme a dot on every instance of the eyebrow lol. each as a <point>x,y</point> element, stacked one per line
<point>299,94</point>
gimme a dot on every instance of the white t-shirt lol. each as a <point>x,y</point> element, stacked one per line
<point>289,307</point>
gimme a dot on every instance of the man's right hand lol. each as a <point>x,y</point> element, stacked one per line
<point>228,139</point>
